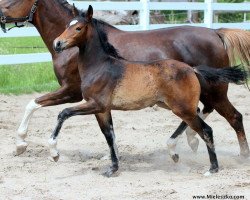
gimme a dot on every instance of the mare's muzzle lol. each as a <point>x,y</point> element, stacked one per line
<point>2,21</point>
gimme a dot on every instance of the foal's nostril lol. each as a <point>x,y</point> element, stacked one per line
<point>58,44</point>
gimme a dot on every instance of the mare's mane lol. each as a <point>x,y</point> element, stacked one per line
<point>66,5</point>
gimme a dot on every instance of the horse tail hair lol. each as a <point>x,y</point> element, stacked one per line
<point>237,45</point>
<point>235,74</point>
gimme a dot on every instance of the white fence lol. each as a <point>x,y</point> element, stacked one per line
<point>144,6</point>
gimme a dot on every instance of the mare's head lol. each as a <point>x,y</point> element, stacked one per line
<point>76,32</point>
<point>16,11</point>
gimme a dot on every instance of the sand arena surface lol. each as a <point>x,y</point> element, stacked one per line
<point>146,170</point>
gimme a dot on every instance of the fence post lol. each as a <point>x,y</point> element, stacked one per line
<point>208,14</point>
<point>144,15</point>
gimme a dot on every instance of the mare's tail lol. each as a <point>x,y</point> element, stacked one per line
<point>234,74</point>
<point>237,45</point>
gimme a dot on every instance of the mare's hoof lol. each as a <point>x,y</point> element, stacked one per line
<point>175,158</point>
<point>194,144</point>
<point>56,158</point>
<point>21,148</point>
<point>111,172</point>
<point>245,154</point>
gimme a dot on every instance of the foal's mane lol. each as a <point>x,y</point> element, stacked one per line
<point>99,25</point>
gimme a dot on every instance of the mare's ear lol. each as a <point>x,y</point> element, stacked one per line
<point>75,11</point>
<point>89,13</point>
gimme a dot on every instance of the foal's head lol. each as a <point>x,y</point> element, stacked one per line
<point>76,32</point>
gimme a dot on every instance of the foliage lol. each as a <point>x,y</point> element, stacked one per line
<point>172,16</point>
<point>18,79</point>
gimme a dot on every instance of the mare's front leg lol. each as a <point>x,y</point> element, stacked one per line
<point>106,126</point>
<point>61,96</point>
<point>90,107</point>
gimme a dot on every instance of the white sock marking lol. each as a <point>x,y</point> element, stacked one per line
<point>53,147</point>
<point>22,130</point>
<point>171,143</point>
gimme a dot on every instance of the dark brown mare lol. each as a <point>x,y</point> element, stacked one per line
<point>108,82</point>
<point>192,45</point>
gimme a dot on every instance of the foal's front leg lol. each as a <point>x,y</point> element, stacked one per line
<point>106,126</point>
<point>90,107</point>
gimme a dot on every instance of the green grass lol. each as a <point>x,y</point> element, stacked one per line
<point>26,78</point>
<point>22,45</point>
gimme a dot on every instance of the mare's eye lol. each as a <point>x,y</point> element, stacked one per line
<point>78,29</point>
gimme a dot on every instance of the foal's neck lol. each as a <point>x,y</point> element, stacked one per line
<point>91,52</point>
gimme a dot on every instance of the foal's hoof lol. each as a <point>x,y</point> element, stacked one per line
<point>56,158</point>
<point>175,158</point>
<point>211,171</point>
<point>111,172</point>
<point>21,148</point>
<point>194,144</point>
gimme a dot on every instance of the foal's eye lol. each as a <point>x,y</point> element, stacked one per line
<point>78,29</point>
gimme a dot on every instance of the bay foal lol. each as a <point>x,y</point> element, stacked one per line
<point>192,45</point>
<point>108,82</point>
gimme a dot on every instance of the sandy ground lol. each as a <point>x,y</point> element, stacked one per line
<point>146,171</point>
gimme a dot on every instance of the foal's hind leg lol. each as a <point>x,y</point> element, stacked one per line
<point>193,141</point>
<point>206,133</point>
<point>106,126</point>
<point>228,111</point>
<point>172,141</point>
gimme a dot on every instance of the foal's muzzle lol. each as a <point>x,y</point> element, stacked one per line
<point>58,46</point>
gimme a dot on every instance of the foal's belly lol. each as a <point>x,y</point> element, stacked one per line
<point>136,90</point>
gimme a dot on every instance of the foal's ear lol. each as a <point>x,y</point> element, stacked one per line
<point>89,14</point>
<point>75,11</point>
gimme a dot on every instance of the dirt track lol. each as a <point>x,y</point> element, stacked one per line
<point>146,171</point>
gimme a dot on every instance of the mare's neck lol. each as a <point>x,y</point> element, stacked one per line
<point>50,20</point>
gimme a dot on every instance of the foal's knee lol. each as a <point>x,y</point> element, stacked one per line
<point>65,114</point>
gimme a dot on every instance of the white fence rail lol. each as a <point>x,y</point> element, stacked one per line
<point>144,6</point>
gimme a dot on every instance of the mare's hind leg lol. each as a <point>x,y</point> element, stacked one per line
<point>193,141</point>
<point>106,126</point>
<point>229,112</point>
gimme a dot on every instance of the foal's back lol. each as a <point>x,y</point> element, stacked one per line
<point>165,81</point>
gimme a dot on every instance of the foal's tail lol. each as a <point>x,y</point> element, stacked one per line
<point>237,45</point>
<point>234,74</point>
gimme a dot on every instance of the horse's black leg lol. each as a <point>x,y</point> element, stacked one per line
<point>172,141</point>
<point>106,126</point>
<point>193,141</point>
<point>206,134</point>
<point>87,108</point>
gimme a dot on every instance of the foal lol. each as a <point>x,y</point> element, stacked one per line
<point>108,82</point>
